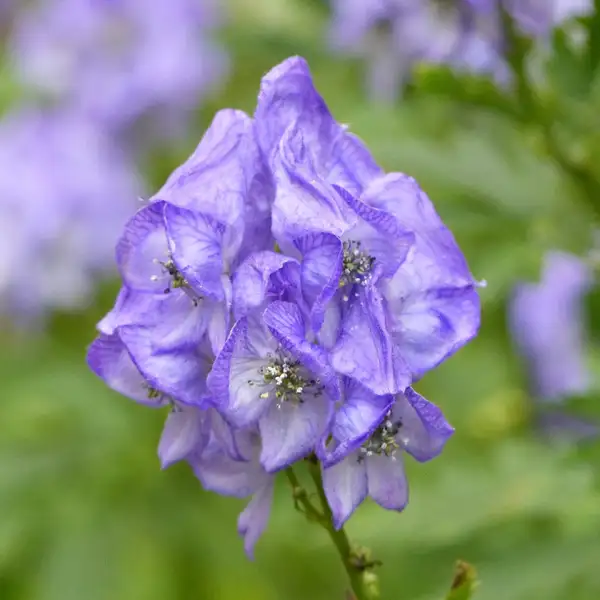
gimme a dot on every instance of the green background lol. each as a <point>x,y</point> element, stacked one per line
<point>86,513</point>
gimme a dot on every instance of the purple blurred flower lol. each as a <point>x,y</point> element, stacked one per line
<point>66,192</point>
<point>117,61</point>
<point>368,435</point>
<point>393,35</point>
<point>547,324</point>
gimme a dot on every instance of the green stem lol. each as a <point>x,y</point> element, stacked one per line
<point>356,574</point>
<point>359,568</point>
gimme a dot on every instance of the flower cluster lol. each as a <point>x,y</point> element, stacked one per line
<point>66,192</point>
<point>468,35</point>
<point>120,61</point>
<point>281,294</point>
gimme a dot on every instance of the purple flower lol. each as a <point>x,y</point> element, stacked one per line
<point>394,35</point>
<point>118,61</point>
<point>547,324</point>
<point>271,375</point>
<point>388,290</point>
<point>368,436</point>
<point>276,264</point>
<point>66,192</point>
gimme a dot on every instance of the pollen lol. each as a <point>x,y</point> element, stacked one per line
<point>356,266</point>
<point>383,441</point>
<point>287,379</point>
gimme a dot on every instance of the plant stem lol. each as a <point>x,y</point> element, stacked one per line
<point>340,539</point>
<point>358,567</point>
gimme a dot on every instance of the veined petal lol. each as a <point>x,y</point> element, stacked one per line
<point>424,431</point>
<point>291,430</point>
<point>304,201</point>
<point>235,379</point>
<point>180,373</point>
<point>253,519</point>
<point>142,245</point>
<point>252,280</point>
<point>320,272</point>
<point>345,485</point>
<point>287,95</point>
<point>387,481</point>
<point>176,320</point>
<point>351,165</point>
<point>184,432</point>
<point>214,180</point>
<point>128,308</point>
<point>218,325</point>
<point>437,261</point>
<point>217,472</point>
<point>196,244</point>
<point>365,351</point>
<point>430,326</point>
<point>109,359</point>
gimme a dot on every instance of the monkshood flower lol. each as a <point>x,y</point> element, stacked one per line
<point>394,35</point>
<point>281,294</point>
<point>368,437</point>
<point>548,326</point>
<point>66,192</point>
<point>118,61</point>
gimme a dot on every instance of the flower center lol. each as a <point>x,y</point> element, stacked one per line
<point>356,266</point>
<point>176,280</point>
<point>383,441</point>
<point>288,378</point>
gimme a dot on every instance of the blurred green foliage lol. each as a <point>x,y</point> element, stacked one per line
<point>85,512</point>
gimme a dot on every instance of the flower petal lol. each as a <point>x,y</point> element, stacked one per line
<point>184,432</point>
<point>365,351</point>
<point>218,473</point>
<point>290,431</point>
<point>237,365</point>
<point>430,326</point>
<point>109,359</point>
<point>345,485</point>
<point>439,261</point>
<point>213,180</point>
<point>142,244</point>
<point>320,272</point>
<point>387,481</point>
<point>196,242</point>
<point>253,519</point>
<point>180,373</point>
<point>128,308</point>
<point>424,430</point>
<point>304,201</point>
<point>287,95</point>
<point>252,280</point>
